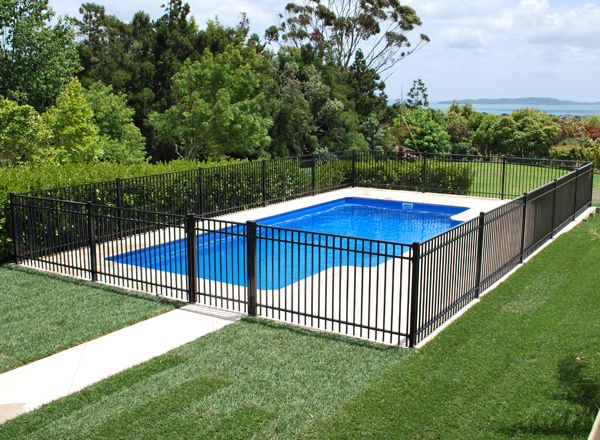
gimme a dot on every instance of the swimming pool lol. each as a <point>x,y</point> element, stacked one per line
<point>365,233</point>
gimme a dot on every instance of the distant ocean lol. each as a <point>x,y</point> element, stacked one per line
<point>558,110</point>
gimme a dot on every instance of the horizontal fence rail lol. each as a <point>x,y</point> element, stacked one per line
<point>158,234</point>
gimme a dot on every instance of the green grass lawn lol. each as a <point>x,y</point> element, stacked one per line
<point>42,314</point>
<point>524,363</point>
<point>487,178</point>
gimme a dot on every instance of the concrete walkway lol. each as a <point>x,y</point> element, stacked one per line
<point>68,371</point>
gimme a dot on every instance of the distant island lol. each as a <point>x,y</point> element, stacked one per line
<point>518,101</point>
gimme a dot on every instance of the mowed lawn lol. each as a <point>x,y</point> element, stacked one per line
<point>523,363</point>
<point>42,314</point>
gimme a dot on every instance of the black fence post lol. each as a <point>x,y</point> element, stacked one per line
<point>201,189</point>
<point>575,196</point>
<point>353,168</point>
<point>313,174</point>
<point>503,194</point>
<point>13,223</point>
<point>190,240</point>
<point>92,241</point>
<point>555,189</point>
<point>251,266</point>
<point>592,185</point>
<point>414,293</point>
<point>523,227</point>
<point>423,171</point>
<point>480,237</point>
<point>264,182</point>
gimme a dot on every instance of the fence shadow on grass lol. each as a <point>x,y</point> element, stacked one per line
<point>575,407</point>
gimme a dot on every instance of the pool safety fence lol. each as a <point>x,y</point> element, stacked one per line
<point>384,291</point>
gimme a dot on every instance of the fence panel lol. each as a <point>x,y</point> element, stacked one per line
<point>52,235</point>
<point>447,276</point>
<point>501,241</point>
<point>221,265</point>
<point>345,285</point>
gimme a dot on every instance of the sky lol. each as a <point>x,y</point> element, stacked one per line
<point>478,49</point>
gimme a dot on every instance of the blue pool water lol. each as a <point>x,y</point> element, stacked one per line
<point>285,255</point>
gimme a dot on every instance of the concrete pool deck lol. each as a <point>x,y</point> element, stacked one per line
<point>30,386</point>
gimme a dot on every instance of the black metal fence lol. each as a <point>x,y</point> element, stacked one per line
<point>141,234</point>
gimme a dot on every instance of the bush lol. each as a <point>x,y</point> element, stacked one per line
<point>577,152</point>
<point>34,176</point>
<point>410,176</point>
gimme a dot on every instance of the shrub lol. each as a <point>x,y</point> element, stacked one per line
<point>589,153</point>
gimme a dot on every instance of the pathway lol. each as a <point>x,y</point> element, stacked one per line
<point>68,371</point>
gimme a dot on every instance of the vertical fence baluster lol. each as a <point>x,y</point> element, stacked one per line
<point>575,196</point>
<point>353,168</point>
<point>251,266</point>
<point>201,190</point>
<point>190,240</point>
<point>555,189</point>
<point>313,174</point>
<point>503,177</point>
<point>414,294</point>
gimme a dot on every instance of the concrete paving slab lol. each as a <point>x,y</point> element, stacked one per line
<point>71,370</point>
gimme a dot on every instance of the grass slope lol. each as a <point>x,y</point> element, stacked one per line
<point>41,314</point>
<point>523,363</point>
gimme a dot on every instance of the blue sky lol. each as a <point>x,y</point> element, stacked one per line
<point>478,49</point>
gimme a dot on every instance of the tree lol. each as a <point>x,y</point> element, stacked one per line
<point>535,132</point>
<point>420,130</point>
<point>71,122</point>
<point>220,107</point>
<point>417,95</point>
<point>36,59</point>
<point>337,29</point>
<point>23,134</point>
<point>119,139</point>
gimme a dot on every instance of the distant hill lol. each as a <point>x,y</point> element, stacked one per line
<point>519,101</point>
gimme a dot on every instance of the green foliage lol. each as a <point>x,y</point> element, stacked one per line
<point>336,30</point>
<point>535,132</point>
<point>119,139</point>
<point>23,134</point>
<point>593,120</point>
<point>37,59</point>
<point>220,109</point>
<point>412,176</point>
<point>71,122</point>
<point>42,175</point>
<point>577,152</point>
<point>525,133</point>
<point>419,130</point>
<point>417,95</point>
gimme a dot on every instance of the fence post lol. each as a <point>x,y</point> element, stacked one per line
<point>523,227</point>
<point>251,266</point>
<point>313,174</point>
<point>592,185</point>
<point>480,237</point>
<point>414,293</point>
<point>353,168</point>
<point>503,177</point>
<point>190,240</point>
<point>575,197</point>
<point>423,172</point>
<point>92,240</point>
<point>263,173</point>
<point>201,189</point>
<point>13,220</point>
